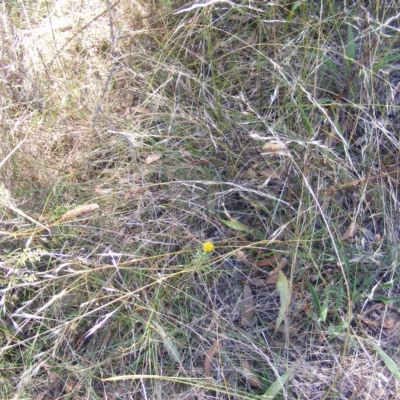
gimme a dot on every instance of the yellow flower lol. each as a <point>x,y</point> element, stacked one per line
<point>208,247</point>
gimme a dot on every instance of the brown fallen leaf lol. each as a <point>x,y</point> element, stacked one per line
<point>150,159</point>
<point>247,305</point>
<point>257,281</point>
<point>269,262</point>
<point>251,378</point>
<point>271,280</point>
<point>278,268</point>
<point>208,358</point>
<point>262,282</point>
<point>273,276</point>
<point>389,322</point>
<point>351,231</point>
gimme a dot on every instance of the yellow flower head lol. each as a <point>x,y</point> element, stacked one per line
<point>208,247</point>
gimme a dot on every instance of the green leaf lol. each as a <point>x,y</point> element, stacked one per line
<point>306,121</point>
<point>350,47</point>
<point>324,100</point>
<point>314,297</point>
<point>284,293</point>
<point>338,292</point>
<point>390,59</point>
<point>391,365</point>
<point>238,226</point>
<point>337,330</point>
<point>330,65</point>
<point>275,388</point>
<point>169,344</point>
<point>324,310</point>
<point>291,14</point>
<point>386,300</point>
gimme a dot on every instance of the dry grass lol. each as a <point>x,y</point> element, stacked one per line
<point>133,133</point>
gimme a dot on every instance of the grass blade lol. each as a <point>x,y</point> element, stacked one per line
<point>276,387</point>
<point>350,47</point>
<point>169,344</point>
<point>391,365</point>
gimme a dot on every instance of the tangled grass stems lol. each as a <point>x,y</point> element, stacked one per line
<point>203,151</point>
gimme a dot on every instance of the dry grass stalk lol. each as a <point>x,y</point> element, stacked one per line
<point>78,211</point>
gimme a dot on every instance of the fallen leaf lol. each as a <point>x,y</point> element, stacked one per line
<point>388,321</point>
<point>247,305</point>
<point>351,231</point>
<point>284,293</point>
<point>251,378</point>
<point>278,268</point>
<point>262,282</point>
<point>269,262</point>
<point>272,280</point>
<point>150,159</point>
<point>208,358</point>
<point>258,282</point>
<point>273,276</point>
